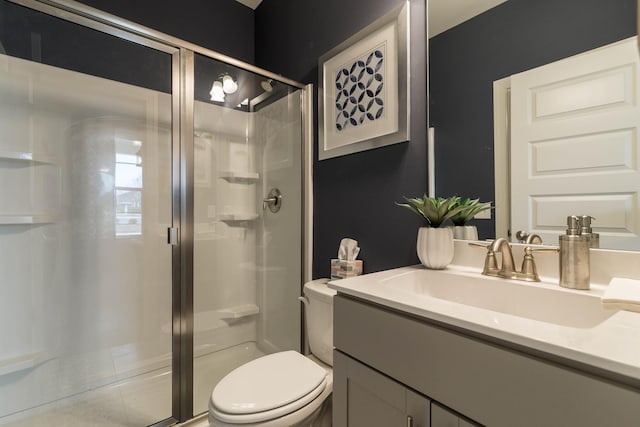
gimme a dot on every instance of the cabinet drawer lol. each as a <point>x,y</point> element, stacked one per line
<point>485,382</point>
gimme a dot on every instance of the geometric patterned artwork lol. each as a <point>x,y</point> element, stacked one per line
<point>363,82</point>
<point>359,94</point>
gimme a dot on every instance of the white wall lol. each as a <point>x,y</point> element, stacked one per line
<point>224,251</point>
<point>279,136</point>
<point>79,306</point>
<point>257,261</point>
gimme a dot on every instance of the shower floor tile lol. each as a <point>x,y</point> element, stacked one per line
<point>135,402</point>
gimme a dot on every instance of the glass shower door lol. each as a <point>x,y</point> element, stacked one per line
<point>247,257</point>
<point>85,203</point>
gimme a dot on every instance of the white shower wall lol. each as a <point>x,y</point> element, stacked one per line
<point>247,259</point>
<point>224,248</point>
<point>80,306</point>
<point>278,131</point>
<point>83,305</point>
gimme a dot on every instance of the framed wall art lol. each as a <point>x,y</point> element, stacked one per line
<point>363,95</point>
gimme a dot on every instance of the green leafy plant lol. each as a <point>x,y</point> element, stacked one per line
<point>434,210</point>
<point>470,207</point>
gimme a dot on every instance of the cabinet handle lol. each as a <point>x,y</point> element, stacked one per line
<point>409,421</point>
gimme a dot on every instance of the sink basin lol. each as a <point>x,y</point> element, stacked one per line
<point>537,301</point>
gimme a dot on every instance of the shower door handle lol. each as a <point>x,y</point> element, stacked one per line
<point>273,201</point>
<point>172,236</point>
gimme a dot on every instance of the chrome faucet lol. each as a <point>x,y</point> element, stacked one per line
<point>533,239</point>
<point>507,270</point>
<point>528,238</point>
<point>502,245</point>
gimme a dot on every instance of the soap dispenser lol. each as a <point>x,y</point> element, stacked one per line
<point>585,230</point>
<point>574,257</point>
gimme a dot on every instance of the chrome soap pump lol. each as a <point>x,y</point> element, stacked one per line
<point>574,256</point>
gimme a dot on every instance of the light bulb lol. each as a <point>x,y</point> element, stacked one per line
<point>217,94</point>
<point>267,85</point>
<point>228,85</point>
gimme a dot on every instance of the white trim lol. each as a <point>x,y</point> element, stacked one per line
<point>431,161</point>
<point>307,179</point>
<point>501,156</point>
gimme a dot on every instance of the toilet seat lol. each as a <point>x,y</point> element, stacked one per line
<point>267,388</point>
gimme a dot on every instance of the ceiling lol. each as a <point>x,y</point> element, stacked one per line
<point>250,3</point>
<point>443,14</point>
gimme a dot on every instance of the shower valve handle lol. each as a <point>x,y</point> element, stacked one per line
<point>273,201</point>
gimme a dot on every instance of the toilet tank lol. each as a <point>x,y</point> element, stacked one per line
<point>319,318</point>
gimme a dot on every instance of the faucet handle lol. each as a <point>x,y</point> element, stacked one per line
<point>490,264</point>
<point>521,235</point>
<point>529,272</point>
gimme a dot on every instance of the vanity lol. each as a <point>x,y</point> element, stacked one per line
<point>417,347</point>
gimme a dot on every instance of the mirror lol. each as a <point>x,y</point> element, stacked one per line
<point>475,43</point>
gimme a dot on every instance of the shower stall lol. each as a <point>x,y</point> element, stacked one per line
<point>154,218</point>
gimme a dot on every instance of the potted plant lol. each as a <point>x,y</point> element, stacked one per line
<point>471,207</point>
<point>435,243</point>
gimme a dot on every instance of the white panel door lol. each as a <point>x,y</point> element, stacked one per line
<point>574,145</point>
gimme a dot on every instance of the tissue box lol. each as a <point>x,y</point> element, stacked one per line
<point>342,269</point>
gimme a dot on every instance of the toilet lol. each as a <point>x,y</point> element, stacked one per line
<point>284,389</point>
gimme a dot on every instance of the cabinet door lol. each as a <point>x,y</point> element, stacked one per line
<point>363,397</point>
<point>418,410</point>
<point>442,417</point>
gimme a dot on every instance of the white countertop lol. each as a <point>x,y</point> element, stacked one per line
<point>610,345</point>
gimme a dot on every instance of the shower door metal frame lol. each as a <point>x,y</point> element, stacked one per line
<point>182,174</point>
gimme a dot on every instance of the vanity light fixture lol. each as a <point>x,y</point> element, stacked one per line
<point>267,85</point>
<point>228,84</point>
<point>217,92</point>
<point>224,85</point>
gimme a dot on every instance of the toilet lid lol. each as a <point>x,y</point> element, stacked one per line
<point>274,381</point>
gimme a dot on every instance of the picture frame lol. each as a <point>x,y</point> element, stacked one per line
<point>363,92</point>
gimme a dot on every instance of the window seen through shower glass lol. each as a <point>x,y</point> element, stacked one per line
<point>85,202</point>
<point>128,187</point>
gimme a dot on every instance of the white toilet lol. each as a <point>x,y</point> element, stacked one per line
<point>284,389</point>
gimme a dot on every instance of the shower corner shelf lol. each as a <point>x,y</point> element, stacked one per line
<point>239,311</point>
<point>26,157</point>
<point>240,177</point>
<point>25,219</point>
<point>20,363</point>
<point>237,217</point>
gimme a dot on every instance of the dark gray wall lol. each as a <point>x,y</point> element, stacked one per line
<point>225,26</point>
<point>513,37</point>
<point>354,195</point>
<point>35,36</point>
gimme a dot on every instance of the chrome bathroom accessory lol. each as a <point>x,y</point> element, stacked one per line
<point>528,238</point>
<point>273,201</point>
<point>507,270</point>
<point>585,230</point>
<point>574,257</point>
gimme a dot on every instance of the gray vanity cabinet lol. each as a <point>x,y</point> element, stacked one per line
<point>386,359</point>
<point>364,397</point>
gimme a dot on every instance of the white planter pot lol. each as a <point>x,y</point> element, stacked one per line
<point>435,247</point>
<point>465,232</point>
